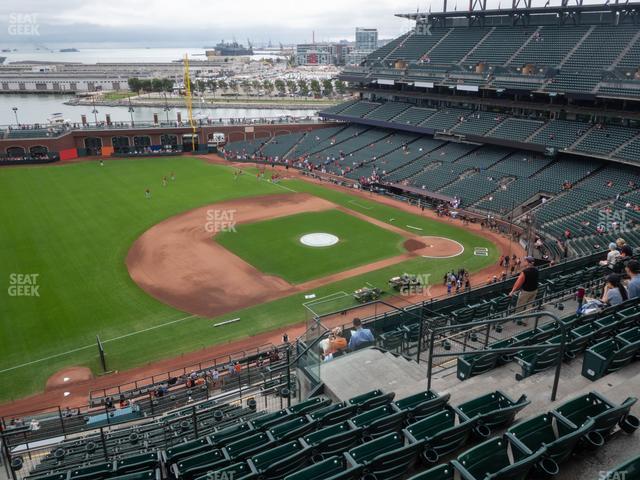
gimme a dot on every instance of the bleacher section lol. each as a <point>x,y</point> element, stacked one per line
<point>424,435</point>
<point>599,139</point>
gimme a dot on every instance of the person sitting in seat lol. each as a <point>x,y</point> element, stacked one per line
<point>612,256</point>
<point>333,344</point>
<point>614,291</point>
<point>359,336</point>
<point>633,287</point>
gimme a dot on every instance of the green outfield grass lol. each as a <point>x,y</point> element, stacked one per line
<point>274,247</point>
<point>72,226</point>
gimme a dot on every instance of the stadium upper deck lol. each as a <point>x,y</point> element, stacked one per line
<point>581,51</point>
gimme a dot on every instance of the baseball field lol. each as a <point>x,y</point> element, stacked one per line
<point>83,252</point>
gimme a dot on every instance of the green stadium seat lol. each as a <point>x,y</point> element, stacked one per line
<point>535,361</point>
<point>386,457</point>
<point>309,406</point>
<point>496,458</point>
<point>264,422</point>
<point>333,468</point>
<point>493,409</point>
<point>379,421</point>
<point>230,434</point>
<point>579,339</point>
<point>441,434</point>
<point>611,355</point>
<point>132,463</point>
<point>249,446</point>
<point>145,475</point>
<point>371,399</point>
<point>471,365</point>
<point>333,439</point>
<point>277,462</point>
<point>101,470</point>
<point>186,449</point>
<point>333,414</point>
<point>422,404</point>
<point>293,429</point>
<point>193,466</point>
<point>552,431</point>
<point>441,472</point>
<point>53,476</point>
<point>605,414</point>
<point>605,327</point>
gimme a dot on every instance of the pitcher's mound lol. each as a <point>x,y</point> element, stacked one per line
<point>68,376</point>
<point>434,247</point>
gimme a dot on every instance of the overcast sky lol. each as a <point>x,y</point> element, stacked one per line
<point>203,22</point>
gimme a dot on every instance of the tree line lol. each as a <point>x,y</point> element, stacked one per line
<point>300,87</point>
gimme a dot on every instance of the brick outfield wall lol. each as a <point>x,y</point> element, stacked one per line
<point>75,139</point>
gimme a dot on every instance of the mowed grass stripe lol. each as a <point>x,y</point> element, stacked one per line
<point>274,247</point>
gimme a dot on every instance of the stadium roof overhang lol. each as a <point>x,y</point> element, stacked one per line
<point>560,11</point>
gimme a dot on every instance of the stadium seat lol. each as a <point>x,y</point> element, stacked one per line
<point>277,462</point>
<point>310,405</point>
<point>423,404</point>
<point>147,474</point>
<point>248,446</point>
<point>387,456</point>
<point>605,414</point>
<point>142,461</point>
<point>293,429</point>
<point>333,439</point>
<point>441,472</point>
<point>101,470</point>
<point>372,399</point>
<point>335,413</point>
<point>552,431</point>
<point>496,458</point>
<point>440,434</point>
<point>379,421</point>
<point>230,434</point>
<point>333,468</point>
<point>174,454</point>
<point>535,361</point>
<point>611,355</point>
<point>493,410</point>
<point>265,421</point>
<point>195,465</point>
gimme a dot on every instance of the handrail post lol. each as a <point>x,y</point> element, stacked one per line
<point>430,359</point>
<point>556,379</point>
<point>288,375</point>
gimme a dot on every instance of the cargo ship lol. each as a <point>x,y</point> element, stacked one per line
<point>233,49</point>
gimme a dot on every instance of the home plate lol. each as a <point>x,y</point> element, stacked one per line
<point>66,394</point>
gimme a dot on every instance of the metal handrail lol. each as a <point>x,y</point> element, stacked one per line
<point>488,323</point>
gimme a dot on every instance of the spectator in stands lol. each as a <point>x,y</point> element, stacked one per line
<point>359,336</point>
<point>612,256</point>
<point>334,343</point>
<point>526,284</point>
<point>624,249</point>
<point>614,291</point>
<point>215,377</point>
<point>633,287</point>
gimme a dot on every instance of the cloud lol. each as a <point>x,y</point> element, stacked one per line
<point>206,20</point>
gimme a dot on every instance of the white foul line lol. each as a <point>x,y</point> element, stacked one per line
<point>93,344</point>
